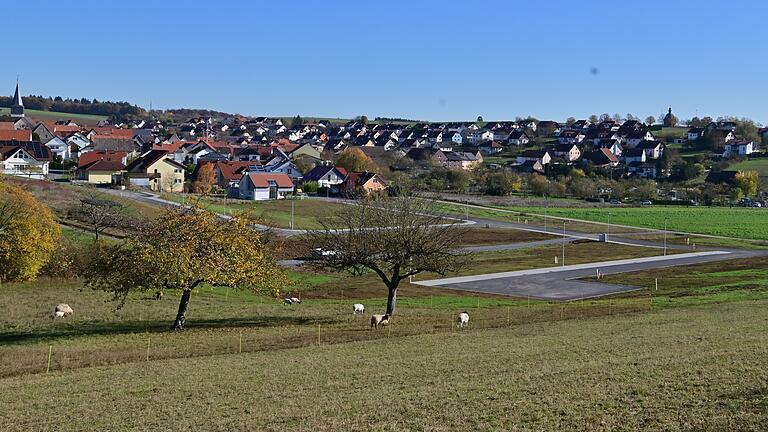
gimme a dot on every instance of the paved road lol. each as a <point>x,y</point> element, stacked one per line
<point>560,284</point>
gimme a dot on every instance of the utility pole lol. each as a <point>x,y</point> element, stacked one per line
<point>466,210</point>
<point>563,243</point>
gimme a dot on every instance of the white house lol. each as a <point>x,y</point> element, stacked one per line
<point>59,148</point>
<point>518,138</point>
<point>740,147</point>
<point>326,176</point>
<point>454,137</point>
<point>541,156</point>
<point>634,138</point>
<point>264,186</point>
<point>29,159</point>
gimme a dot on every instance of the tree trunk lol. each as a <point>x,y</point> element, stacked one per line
<point>391,300</point>
<point>181,315</point>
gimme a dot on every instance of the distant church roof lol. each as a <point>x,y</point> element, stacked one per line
<point>669,119</point>
<point>17,105</point>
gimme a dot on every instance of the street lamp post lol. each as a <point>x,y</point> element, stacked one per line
<point>563,244</point>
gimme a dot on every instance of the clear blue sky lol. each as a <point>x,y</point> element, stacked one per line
<point>431,60</point>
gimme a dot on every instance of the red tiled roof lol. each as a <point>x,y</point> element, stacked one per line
<point>7,126</point>
<point>92,156</point>
<point>114,132</point>
<point>261,180</point>
<point>18,135</point>
<point>103,165</point>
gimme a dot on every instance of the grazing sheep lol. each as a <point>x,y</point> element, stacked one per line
<point>288,301</point>
<point>295,300</point>
<point>463,320</point>
<point>62,310</point>
<point>379,320</point>
<point>358,308</point>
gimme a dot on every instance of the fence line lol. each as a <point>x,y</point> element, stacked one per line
<point>256,339</point>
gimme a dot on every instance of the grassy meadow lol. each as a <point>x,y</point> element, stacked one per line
<point>276,213</point>
<point>89,119</point>
<point>759,165</point>
<point>736,222</point>
<point>700,368</point>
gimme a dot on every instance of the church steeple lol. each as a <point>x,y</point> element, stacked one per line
<point>17,106</point>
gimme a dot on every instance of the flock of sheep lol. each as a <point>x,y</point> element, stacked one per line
<point>377,320</point>
<point>381,320</point>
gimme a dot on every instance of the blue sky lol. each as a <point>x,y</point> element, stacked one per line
<point>430,60</point>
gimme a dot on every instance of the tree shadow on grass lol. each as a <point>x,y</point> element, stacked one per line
<point>154,326</point>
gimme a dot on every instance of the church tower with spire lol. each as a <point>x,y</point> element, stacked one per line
<point>17,106</point>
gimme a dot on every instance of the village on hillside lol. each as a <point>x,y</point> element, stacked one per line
<point>263,158</point>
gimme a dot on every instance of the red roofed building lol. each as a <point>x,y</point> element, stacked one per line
<point>601,157</point>
<point>228,173</point>
<point>100,171</point>
<point>93,156</point>
<point>265,186</point>
<point>18,135</point>
<point>365,182</point>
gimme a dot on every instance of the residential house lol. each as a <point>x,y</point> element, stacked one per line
<point>634,155</point>
<point>89,157</point>
<point>24,159</point>
<point>490,147</point>
<point>643,169</point>
<point>228,173</point>
<point>366,182</point>
<point>695,133</point>
<point>327,177</point>
<point>611,144</point>
<point>157,170</point>
<point>265,186</point>
<point>59,148</point>
<point>652,149</point>
<point>518,138</point>
<point>42,132</point>
<point>529,166</point>
<point>569,152</point>
<point>15,135</point>
<point>542,156</point>
<point>570,137</point>
<point>462,160</point>
<point>601,158</point>
<point>635,137</point>
<point>738,147</point>
<point>100,171</point>
<point>454,137</point>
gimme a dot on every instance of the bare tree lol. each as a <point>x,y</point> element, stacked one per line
<point>99,213</point>
<point>395,237</point>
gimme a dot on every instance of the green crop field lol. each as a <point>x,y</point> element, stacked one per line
<point>52,116</point>
<point>759,165</point>
<point>737,222</point>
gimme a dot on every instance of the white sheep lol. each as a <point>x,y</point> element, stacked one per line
<point>463,320</point>
<point>379,320</point>
<point>295,300</point>
<point>358,308</point>
<point>62,310</point>
<point>287,301</point>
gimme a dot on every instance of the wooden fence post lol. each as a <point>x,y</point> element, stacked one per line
<point>50,351</point>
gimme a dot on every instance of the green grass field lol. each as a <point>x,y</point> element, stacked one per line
<point>53,115</point>
<point>273,213</point>
<point>759,165</point>
<point>700,368</point>
<point>737,222</point>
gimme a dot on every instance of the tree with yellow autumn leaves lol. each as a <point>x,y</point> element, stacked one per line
<point>28,233</point>
<point>182,250</point>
